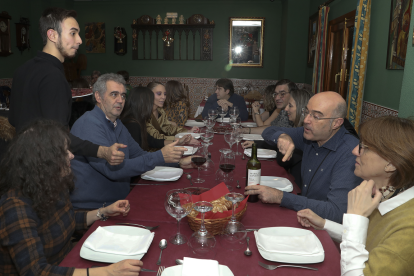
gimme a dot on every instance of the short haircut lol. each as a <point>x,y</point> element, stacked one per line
<point>52,18</point>
<point>100,84</point>
<point>392,138</point>
<point>291,85</point>
<point>340,110</point>
<point>227,84</point>
<point>124,74</point>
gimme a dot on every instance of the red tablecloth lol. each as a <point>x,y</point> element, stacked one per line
<point>147,207</point>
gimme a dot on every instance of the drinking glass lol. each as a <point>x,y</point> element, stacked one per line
<point>178,204</point>
<point>227,165</point>
<point>222,112</point>
<point>229,138</point>
<point>212,113</point>
<point>234,232</point>
<point>207,136</point>
<point>200,160</point>
<point>234,112</point>
<point>238,136</point>
<point>202,243</point>
<point>235,122</point>
<point>209,123</point>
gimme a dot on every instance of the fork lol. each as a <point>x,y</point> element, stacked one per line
<point>272,267</point>
<point>160,270</point>
<point>138,225</point>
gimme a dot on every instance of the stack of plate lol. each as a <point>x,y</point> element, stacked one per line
<point>276,182</point>
<point>190,150</point>
<point>289,245</point>
<point>262,153</point>
<point>252,137</point>
<point>192,123</point>
<point>178,270</point>
<point>163,174</point>
<point>181,135</point>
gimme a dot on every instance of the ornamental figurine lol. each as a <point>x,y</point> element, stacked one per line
<point>181,19</point>
<point>118,34</point>
<point>174,20</point>
<point>168,40</point>
<point>166,20</point>
<point>120,42</point>
<point>158,18</point>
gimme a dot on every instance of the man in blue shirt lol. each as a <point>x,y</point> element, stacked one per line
<point>95,181</point>
<point>225,97</point>
<point>327,163</point>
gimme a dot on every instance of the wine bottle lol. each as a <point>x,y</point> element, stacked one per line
<point>253,173</point>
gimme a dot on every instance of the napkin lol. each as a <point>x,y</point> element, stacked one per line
<point>262,153</point>
<point>252,137</point>
<point>200,267</point>
<point>104,241</point>
<point>163,173</point>
<point>292,245</point>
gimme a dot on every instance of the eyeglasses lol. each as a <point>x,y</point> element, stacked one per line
<point>362,147</point>
<point>306,112</point>
<point>280,94</point>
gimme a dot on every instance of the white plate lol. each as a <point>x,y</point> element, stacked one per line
<point>226,120</point>
<point>262,153</point>
<point>191,123</point>
<point>195,135</point>
<point>287,258</point>
<point>177,271</point>
<point>276,182</point>
<point>190,150</point>
<point>160,173</point>
<point>91,255</point>
<point>252,137</point>
<point>249,124</point>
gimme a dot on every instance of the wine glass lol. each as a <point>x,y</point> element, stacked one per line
<point>200,160</point>
<point>178,204</point>
<point>209,123</point>
<point>222,112</point>
<point>202,243</point>
<point>235,122</point>
<point>234,112</point>
<point>229,138</point>
<point>207,136</point>
<point>227,165</point>
<point>234,232</point>
<point>238,136</point>
<point>212,113</point>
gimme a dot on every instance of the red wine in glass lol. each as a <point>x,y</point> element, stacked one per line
<point>198,161</point>
<point>227,167</point>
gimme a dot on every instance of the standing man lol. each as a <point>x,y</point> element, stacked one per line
<point>327,162</point>
<point>40,89</point>
<point>225,97</point>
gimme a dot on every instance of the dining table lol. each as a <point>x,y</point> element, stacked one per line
<point>147,208</point>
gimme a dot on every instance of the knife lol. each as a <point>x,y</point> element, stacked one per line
<point>143,184</point>
<point>142,269</point>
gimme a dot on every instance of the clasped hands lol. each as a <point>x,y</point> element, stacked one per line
<point>225,104</point>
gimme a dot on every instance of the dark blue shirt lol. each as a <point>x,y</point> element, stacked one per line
<point>326,181</point>
<point>235,99</point>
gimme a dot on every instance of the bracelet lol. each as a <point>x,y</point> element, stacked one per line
<point>250,130</point>
<point>256,113</point>
<point>87,271</point>
<point>102,217</point>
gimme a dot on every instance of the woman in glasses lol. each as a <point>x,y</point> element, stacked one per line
<point>37,219</point>
<point>378,229</point>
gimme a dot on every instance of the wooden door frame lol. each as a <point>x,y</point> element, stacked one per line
<point>329,53</point>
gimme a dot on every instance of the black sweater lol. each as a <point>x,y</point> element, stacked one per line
<point>40,90</point>
<point>135,131</point>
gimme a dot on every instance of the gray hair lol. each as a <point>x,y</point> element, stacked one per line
<point>100,84</point>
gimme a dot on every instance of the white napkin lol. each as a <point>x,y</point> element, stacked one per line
<point>262,153</point>
<point>292,245</point>
<point>200,267</point>
<point>163,173</point>
<point>252,137</point>
<point>104,241</point>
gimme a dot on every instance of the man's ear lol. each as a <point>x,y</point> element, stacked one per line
<point>52,35</point>
<point>227,91</point>
<point>338,123</point>
<point>98,97</point>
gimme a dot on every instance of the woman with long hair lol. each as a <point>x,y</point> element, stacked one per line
<point>269,106</point>
<point>298,100</point>
<point>377,234</point>
<point>177,104</point>
<point>138,113</point>
<point>37,219</point>
<point>159,126</point>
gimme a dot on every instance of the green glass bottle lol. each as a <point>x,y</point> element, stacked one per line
<point>253,173</point>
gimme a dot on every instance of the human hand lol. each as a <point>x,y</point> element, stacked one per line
<point>195,129</point>
<point>124,268</point>
<point>360,200</point>
<point>112,155</point>
<point>256,107</point>
<point>224,104</point>
<point>117,208</point>
<point>171,153</point>
<point>286,146</point>
<point>247,144</point>
<point>184,140</point>
<point>194,142</point>
<point>308,218</point>
<point>186,163</point>
<point>266,194</point>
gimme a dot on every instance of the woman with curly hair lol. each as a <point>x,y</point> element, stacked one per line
<point>37,219</point>
<point>177,104</point>
<point>269,105</point>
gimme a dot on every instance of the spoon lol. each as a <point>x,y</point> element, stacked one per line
<point>179,262</point>
<point>238,185</point>
<point>248,252</point>
<point>162,245</point>
<point>189,178</point>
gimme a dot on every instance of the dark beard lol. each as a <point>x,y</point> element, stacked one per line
<point>61,50</point>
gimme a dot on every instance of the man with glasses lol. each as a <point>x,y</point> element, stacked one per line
<point>327,164</point>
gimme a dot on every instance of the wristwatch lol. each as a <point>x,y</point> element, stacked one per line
<point>101,216</point>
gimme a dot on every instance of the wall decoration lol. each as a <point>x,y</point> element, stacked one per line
<point>120,41</point>
<point>22,34</point>
<point>158,19</point>
<point>95,37</point>
<point>398,33</point>
<point>181,19</point>
<point>5,46</point>
<point>312,34</point>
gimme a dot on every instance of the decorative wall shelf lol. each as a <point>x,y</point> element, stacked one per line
<point>165,34</point>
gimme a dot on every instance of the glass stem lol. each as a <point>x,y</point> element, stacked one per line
<point>233,217</point>
<point>202,226</point>
<point>178,226</point>
<point>198,168</point>
<point>237,147</point>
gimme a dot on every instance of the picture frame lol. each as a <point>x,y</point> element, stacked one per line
<point>398,34</point>
<point>312,34</point>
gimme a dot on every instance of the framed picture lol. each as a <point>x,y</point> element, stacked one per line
<point>398,34</point>
<point>312,33</point>
<point>95,40</point>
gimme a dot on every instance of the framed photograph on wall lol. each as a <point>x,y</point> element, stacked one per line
<point>312,33</point>
<point>95,40</point>
<point>398,33</point>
